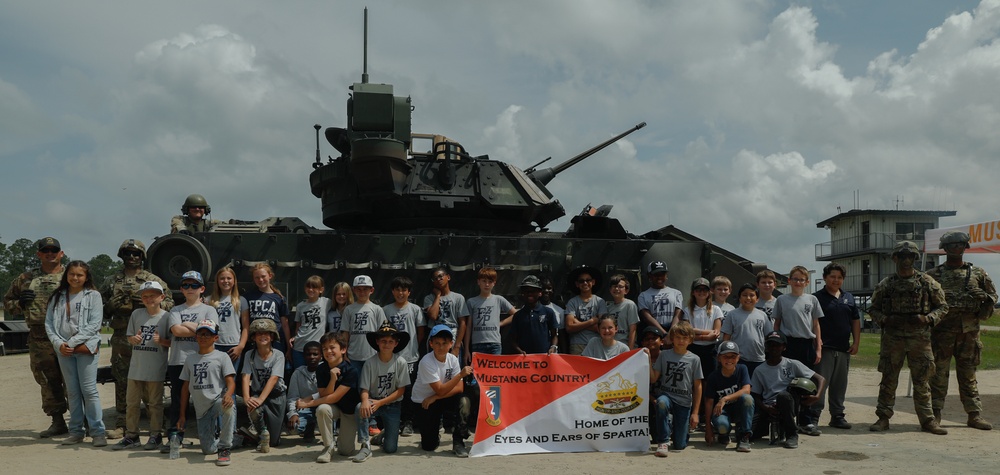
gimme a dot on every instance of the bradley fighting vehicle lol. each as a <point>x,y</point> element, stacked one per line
<point>400,203</point>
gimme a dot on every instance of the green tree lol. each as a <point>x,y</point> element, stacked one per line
<point>20,256</point>
<point>102,266</point>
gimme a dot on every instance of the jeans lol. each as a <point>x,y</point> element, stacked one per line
<point>488,348</point>
<point>804,350</point>
<point>80,374</point>
<point>389,414</point>
<point>676,425</point>
<point>786,405</point>
<point>174,410</point>
<point>217,420</point>
<point>740,412</point>
<point>307,422</point>
<point>427,419</point>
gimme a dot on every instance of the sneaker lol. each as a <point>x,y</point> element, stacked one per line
<point>792,442</point>
<point>264,444</point>
<point>153,443</point>
<point>461,451</point>
<point>407,429</point>
<point>72,440</point>
<point>325,455</point>
<point>840,423</point>
<point>744,444</point>
<point>810,430</point>
<point>377,440</point>
<point>364,454</point>
<point>373,431</point>
<point>881,425</point>
<point>100,441</point>
<point>126,443</point>
<point>224,458</point>
<point>723,440</point>
<point>662,450</point>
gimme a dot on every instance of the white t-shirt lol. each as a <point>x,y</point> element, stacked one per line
<point>431,370</point>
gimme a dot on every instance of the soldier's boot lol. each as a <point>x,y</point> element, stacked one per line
<point>119,431</point>
<point>58,427</point>
<point>881,425</point>
<point>933,427</point>
<point>976,421</point>
<point>937,415</point>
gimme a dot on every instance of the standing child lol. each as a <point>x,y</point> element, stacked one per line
<point>342,297</point>
<point>769,388</point>
<point>443,306</point>
<point>361,318</point>
<point>707,322</point>
<point>624,311</point>
<point>301,385</point>
<point>766,282</point>
<point>383,383</point>
<point>233,314</point>
<point>796,315</point>
<point>337,398</point>
<point>488,313</point>
<point>677,376</point>
<point>72,323</point>
<point>721,287</point>
<point>265,301</point>
<point>148,368</point>
<point>183,321</point>
<point>310,319</point>
<point>841,329</point>
<point>746,326</point>
<point>264,384</point>
<point>583,310</point>
<point>534,327</point>
<point>605,346</point>
<point>210,380</point>
<point>728,401</point>
<point>438,390</point>
<point>659,305</point>
<point>407,317</point>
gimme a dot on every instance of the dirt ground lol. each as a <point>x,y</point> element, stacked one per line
<point>904,449</point>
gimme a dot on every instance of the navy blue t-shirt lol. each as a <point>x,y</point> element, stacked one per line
<point>533,327</point>
<point>348,377</point>
<point>267,305</point>
<point>838,315</point>
<point>718,386</point>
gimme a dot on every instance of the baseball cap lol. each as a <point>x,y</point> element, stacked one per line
<point>193,275</point>
<point>700,282</point>
<point>363,281</point>
<point>531,281</point>
<point>150,285</point>
<point>653,330</point>
<point>656,267</point>
<point>729,347</point>
<point>437,329</point>
<point>208,325</point>
<point>47,241</point>
<point>775,337</point>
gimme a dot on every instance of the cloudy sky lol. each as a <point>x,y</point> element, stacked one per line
<point>764,116</point>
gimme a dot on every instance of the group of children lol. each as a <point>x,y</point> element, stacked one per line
<point>354,363</point>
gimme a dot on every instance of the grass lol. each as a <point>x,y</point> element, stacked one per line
<point>867,356</point>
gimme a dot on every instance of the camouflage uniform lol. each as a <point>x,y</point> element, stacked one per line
<point>183,223</point>
<point>897,305</point>
<point>41,354</point>
<point>121,297</point>
<point>958,333</point>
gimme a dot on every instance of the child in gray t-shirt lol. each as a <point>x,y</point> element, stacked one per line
<point>310,319</point>
<point>677,376</point>
<point>209,380</point>
<point>264,384</point>
<point>382,384</point>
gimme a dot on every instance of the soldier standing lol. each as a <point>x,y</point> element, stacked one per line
<point>906,305</point>
<point>192,219</point>
<point>971,296</point>
<point>29,296</point>
<point>121,295</point>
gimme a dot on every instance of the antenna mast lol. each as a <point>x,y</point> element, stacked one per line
<point>364,73</point>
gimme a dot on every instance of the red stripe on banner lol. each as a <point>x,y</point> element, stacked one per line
<point>526,383</point>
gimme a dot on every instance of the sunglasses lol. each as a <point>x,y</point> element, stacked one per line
<point>132,254</point>
<point>190,286</point>
<point>50,250</point>
<point>584,281</point>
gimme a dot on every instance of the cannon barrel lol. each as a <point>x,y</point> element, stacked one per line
<point>546,175</point>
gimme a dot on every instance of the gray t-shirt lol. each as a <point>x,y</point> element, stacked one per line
<point>584,311</point>
<point>230,323</point>
<point>769,380</point>
<point>333,320</point>
<point>302,383</point>
<point>261,370</point>
<point>677,376</point>
<point>595,349</point>
<point>797,313</point>
<point>747,330</point>
<point>661,303</point>
<point>183,346</point>
<point>452,308</point>
<point>149,360</point>
<point>626,314</point>
<point>311,317</point>
<point>381,378</point>
<point>359,320</point>
<point>560,315</point>
<point>206,377</point>
<point>725,306</point>
<point>406,319</point>
<point>486,314</point>
<point>768,308</point>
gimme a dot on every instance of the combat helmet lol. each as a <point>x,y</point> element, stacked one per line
<point>905,246</point>
<point>264,325</point>
<point>802,387</point>
<point>132,244</point>
<point>952,237</point>
<point>195,200</point>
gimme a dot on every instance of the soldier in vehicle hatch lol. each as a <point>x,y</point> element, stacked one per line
<point>192,220</point>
